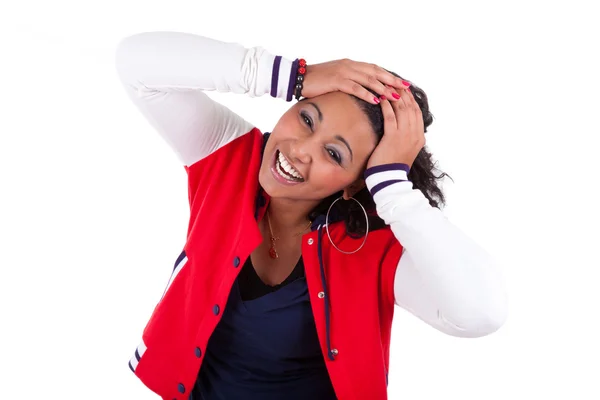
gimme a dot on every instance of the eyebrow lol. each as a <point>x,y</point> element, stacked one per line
<point>318,110</point>
<point>341,139</point>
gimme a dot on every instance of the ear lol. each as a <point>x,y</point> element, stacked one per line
<point>354,188</point>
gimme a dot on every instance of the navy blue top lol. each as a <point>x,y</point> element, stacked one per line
<point>265,347</point>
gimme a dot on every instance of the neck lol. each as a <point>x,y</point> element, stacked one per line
<point>289,214</point>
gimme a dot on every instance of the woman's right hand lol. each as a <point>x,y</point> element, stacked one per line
<point>351,77</point>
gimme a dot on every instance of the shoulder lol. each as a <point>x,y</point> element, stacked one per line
<point>233,156</point>
<point>227,169</point>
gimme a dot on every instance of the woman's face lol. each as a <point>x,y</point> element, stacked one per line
<point>319,146</point>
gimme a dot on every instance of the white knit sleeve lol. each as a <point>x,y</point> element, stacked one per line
<point>443,277</point>
<point>165,74</point>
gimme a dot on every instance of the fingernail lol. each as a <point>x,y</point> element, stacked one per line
<point>376,100</point>
<point>407,84</point>
<point>396,95</point>
<point>382,98</point>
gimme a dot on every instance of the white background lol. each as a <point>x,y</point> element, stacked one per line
<point>94,205</point>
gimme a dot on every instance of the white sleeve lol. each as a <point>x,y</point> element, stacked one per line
<point>443,277</point>
<point>165,74</point>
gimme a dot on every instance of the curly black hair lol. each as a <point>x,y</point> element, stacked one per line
<point>422,174</point>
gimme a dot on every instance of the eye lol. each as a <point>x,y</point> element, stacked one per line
<point>335,156</point>
<point>306,118</point>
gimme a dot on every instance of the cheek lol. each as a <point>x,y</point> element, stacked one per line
<point>329,177</point>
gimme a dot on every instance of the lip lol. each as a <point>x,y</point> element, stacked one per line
<point>276,175</point>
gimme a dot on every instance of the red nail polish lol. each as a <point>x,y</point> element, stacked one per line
<point>376,100</point>
<point>382,98</point>
<point>396,95</point>
<point>407,84</point>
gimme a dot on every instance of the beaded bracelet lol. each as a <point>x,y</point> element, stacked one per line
<point>300,78</point>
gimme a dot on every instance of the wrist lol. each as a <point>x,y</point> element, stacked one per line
<point>300,78</point>
<point>397,161</point>
<point>292,80</point>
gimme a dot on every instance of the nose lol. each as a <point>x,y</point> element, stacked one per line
<point>300,151</point>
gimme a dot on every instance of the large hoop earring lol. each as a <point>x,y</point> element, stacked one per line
<point>327,227</point>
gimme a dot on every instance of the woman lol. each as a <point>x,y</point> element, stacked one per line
<point>300,241</point>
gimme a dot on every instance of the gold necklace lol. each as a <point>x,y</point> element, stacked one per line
<point>272,251</point>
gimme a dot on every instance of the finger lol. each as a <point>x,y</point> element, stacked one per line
<point>390,79</point>
<point>411,104</point>
<point>405,113</point>
<point>386,90</point>
<point>418,113</point>
<point>382,75</point>
<point>403,116</point>
<point>395,93</point>
<point>356,89</point>
<point>390,123</point>
<point>410,98</point>
<point>411,120</point>
<point>370,82</point>
<point>401,104</point>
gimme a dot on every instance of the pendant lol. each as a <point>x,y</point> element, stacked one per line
<point>273,252</point>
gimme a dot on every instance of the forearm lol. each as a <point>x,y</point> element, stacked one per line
<point>175,61</point>
<point>443,276</point>
<point>166,73</point>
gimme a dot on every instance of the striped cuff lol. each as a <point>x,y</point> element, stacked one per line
<point>275,76</point>
<point>382,176</point>
<point>278,81</point>
<point>139,353</point>
<point>292,81</point>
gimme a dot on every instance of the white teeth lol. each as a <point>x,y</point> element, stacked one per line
<point>285,166</point>
<point>282,173</point>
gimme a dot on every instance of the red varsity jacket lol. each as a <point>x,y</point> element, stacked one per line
<point>352,296</point>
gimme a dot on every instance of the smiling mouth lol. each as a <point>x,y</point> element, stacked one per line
<point>285,170</point>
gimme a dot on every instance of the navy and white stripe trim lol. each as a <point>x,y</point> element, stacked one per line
<point>139,353</point>
<point>382,176</point>
<point>275,76</point>
<point>141,349</point>
<point>387,167</point>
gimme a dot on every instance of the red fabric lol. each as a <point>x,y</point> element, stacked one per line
<point>222,194</point>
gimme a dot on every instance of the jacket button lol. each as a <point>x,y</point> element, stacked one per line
<point>198,352</point>
<point>181,388</point>
<point>321,295</point>
<point>310,241</point>
<point>236,262</point>
<point>216,309</point>
<point>334,352</point>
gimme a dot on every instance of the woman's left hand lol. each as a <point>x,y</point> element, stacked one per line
<point>403,131</point>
